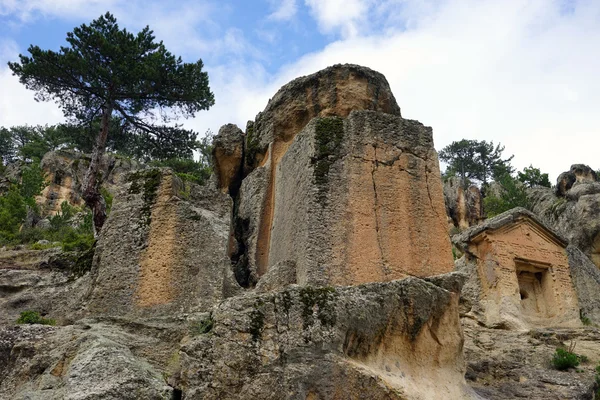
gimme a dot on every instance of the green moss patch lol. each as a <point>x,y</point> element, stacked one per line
<point>320,301</point>
<point>329,133</point>
<point>146,183</point>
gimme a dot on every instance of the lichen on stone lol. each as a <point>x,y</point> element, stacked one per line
<point>319,300</point>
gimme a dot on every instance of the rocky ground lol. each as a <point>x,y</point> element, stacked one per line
<point>505,364</point>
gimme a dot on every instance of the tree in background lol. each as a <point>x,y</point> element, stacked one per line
<point>511,193</point>
<point>110,72</point>
<point>531,177</point>
<point>474,160</point>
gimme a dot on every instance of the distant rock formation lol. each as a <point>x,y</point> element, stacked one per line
<point>65,170</point>
<point>573,208</point>
<point>464,205</point>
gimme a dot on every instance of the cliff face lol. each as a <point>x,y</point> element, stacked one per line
<point>352,196</point>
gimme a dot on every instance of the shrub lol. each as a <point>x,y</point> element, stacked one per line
<point>202,327</point>
<point>34,317</point>
<point>564,359</point>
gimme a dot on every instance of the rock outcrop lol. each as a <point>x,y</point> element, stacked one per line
<point>163,249</point>
<point>573,209</point>
<point>392,340</point>
<point>464,205</point>
<point>352,196</point>
<point>314,264</point>
<point>65,171</point>
<point>508,365</point>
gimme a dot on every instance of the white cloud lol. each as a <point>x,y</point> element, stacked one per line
<point>519,72</point>
<point>285,11</point>
<point>516,72</point>
<point>343,15</point>
<point>26,9</point>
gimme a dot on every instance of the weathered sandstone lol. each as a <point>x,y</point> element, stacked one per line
<point>464,205</point>
<point>163,248</point>
<point>352,196</point>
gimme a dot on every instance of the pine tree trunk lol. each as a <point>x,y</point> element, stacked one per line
<point>93,178</point>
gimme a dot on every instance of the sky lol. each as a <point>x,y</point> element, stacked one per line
<point>524,73</point>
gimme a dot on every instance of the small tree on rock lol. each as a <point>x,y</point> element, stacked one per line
<point>531,177</point>
<point>107,71</point>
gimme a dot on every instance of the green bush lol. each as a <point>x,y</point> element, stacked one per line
<point>34,317</point>
<point>564,359</point>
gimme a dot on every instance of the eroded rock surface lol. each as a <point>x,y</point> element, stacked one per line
<point>163,248</point>
<point>573,209</point>
<point>65,171</point>
<point>352,196</point>
<point>464,205</point>
<point>397,340</point>
<point>507,365</point>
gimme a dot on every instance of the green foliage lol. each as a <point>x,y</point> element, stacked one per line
<point>474,160</point>
<point>19,198</point>
<point>187,169</point>
<point>564,359</point>
<point>13,210</point>
<point>108,199</point>
<point>7,148</point>
<point>105,69</point>
<point>531,177</point>
<point>512,194</point>
<point>34,317</point>
<point>202,327</point>
<point>105,73</point>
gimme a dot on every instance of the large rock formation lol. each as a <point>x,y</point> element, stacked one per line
<point>308,267</point>
<point>573,208</point>
<point>352,196</point>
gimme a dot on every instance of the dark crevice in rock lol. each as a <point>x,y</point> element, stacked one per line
<point>429,190</point>
<point>376,210</point>
<point>177,394</point>
<point>241,226</point>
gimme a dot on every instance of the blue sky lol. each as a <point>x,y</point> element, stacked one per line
<point>520,72</point>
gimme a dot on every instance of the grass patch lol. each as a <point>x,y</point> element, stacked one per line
<point>34,317</point>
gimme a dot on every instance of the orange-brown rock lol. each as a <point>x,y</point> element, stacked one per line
<point>464,205</point>
<point>521,272</point>
<point>351,197</point>
<point>163,248</point>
